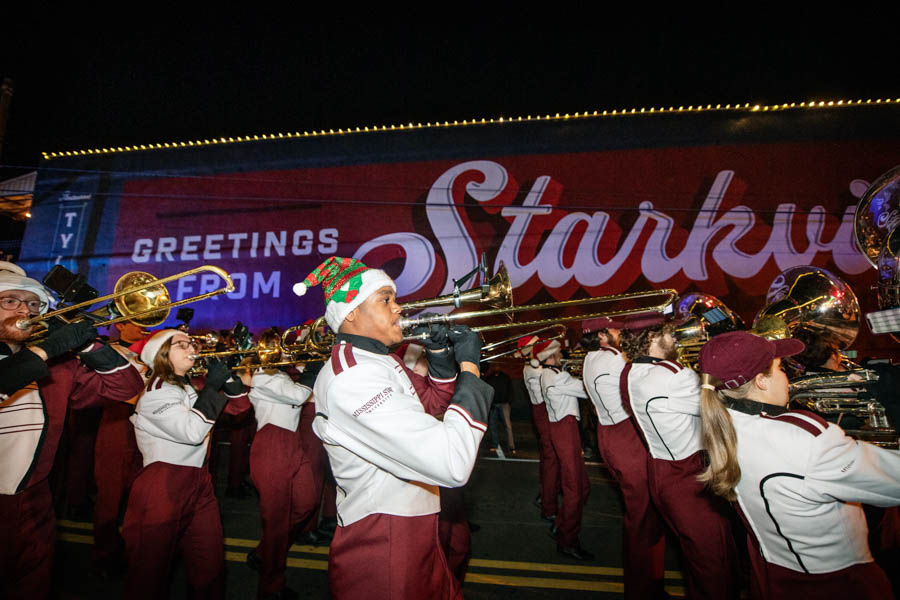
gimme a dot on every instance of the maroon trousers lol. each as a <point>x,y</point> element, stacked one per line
<point>117,461</point>
<point>859,582</point>
<point>386,557</point>
<point>283,477</point>
<point>27,541</point>
<point>566,439</point>
<point>700,520</point>
<point>173,508</point>
<point>549,464</point>
<point>643,542</point>
<point>314,451</point>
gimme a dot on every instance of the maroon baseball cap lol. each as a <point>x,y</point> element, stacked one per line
<point>589,325</point>
<point>736,357</point>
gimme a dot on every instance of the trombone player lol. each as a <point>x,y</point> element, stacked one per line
<point>38,381</point>
<point>387,454</point>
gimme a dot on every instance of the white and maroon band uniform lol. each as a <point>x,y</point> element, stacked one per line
<point>280,469</point>
<point>389,456</point>
<point>801,481</point>
<point>643,544</point>
<point>172,506</point>
<point>34,396</point>
<point>664,399</point>
<point>561,393</point>
<point>549,462</point>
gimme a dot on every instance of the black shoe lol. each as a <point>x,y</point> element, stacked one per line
<point>254,560</point>
<point>577,552</point>
<point>473,527</point>
<point>549,518</point>
<point>537,501</point>
<point>554,532</point>
<point>313,537</point>
<point>284,593</point>
<point>328,525</point>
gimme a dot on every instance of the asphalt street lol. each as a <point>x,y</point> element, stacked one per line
<point>512,552</point>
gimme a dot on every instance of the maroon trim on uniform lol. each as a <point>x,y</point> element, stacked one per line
<point>348,356</point>
<point>669,365</point>
<point>336,365</point>
<point>202,416</point>
<point>812,416</point>
<point>623,390</point>
<point>154,384</point>
<point>797,421</point>
<point>473,423</point>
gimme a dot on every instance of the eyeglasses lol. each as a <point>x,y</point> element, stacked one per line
<point>183,345</point>
<point>11,303</point>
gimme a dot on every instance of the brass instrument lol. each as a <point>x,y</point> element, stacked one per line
<point>137,297</point>
<point>561,333</point>
<point>310,339</point>
<point>846,393</point>
<point>701,317</point>
<point>814,300</point>
<point>668,294</point>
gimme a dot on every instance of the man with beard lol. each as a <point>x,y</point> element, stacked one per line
<point>664,399</point>
<point>643,540</point>
<point>37,383</point>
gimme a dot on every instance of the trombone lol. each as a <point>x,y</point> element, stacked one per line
<point>560,333</point>
<point>138,297</point>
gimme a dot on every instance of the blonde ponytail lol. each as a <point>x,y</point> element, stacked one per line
<point>719,441</point>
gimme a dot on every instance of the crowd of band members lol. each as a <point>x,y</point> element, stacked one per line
<point>657,455</point>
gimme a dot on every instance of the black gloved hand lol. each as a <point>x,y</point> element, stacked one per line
<point>68,337</point>
<point>234,387</point>
<point>466,344</point>
<point>435,335</point>
<point>310,372</point>
<point>217,373</point>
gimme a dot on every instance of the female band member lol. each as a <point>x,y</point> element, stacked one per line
<point>172,506</point>
<point>796,478</point>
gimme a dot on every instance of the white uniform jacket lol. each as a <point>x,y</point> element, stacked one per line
<point>602,373</point>
<point>168,427</point>
<point>800,480</point>
<point>277,400</point>
<point>561,393</point>
<point>532,377</point>
<point>387,454</point>
<point>665,401</point>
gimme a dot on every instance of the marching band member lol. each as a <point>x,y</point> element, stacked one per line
<point>643,542</point>
<point>172,505</point>
<point>549,463</point>
<point>561,392</point>
<point>37,384</point>
<point>796,478</point>
<point>664,399</point>
<point>280,469</point>
<point>387,453</point>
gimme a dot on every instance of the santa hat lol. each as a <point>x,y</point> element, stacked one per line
<point>346,283</point>
<point>525,346</point>
<point>546,349</point>
<point>150,346</point>
<point>13,277</point>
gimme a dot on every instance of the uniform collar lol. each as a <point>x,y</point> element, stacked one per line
<point>752,407</point>
<point>5,350</point>
<point>363,343</point>
<point>647,359</point>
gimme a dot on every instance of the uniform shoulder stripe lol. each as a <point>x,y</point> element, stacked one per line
<point>342,357</point>
<point>154,384</point>
<point>668,364</point>
<point>812,424</point>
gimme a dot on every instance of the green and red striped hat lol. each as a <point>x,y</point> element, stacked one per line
<point>346,283</point>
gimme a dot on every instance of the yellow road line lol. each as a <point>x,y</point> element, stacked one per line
<point>557,568</point>
<point>559,584</point>
<point>74,537</point>
<point>300,563</point>
<point>74,524</point>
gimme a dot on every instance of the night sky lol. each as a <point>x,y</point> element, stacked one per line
<point>86,82</point>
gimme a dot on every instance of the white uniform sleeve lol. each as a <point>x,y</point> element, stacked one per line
<point>562,383</point>
<point>278,388</point>
<point>683,391</point>
<point>164,413</point>
<point>371,416</point>
<point>852,471</point>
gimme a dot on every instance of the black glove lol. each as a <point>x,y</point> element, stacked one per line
<point>466,344</point>
<point>435,335</point>
<point>233,387</point>
<point>216,374</point>
<point>67,337</point>
<point>310,372</point>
